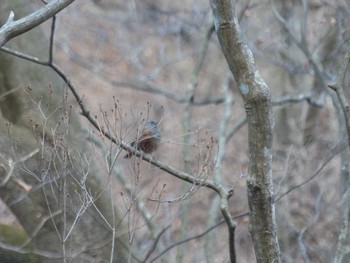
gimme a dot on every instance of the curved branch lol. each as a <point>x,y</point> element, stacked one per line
<point>14,28</point>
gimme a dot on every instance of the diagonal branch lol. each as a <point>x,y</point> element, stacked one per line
<point>13,28</point>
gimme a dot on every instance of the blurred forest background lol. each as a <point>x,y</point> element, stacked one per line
<point>135,60</point>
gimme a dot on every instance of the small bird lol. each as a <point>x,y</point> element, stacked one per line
<point>148,139</point>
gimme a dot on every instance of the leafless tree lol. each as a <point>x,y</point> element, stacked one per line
<point>77,199</point>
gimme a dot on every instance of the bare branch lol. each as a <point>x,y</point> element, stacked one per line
<point>302,44</point>
<point>341,248</point>
<point>197,236</point>
<point>339,89</point>
<point>291,99</point>
<point>156,242</point>
<point>23,56</point>
<point>14,28</point>
<point>11,165</point>
<point>336,150</point>
<point>86,113</point>
<point>9,172</point>
<point>40,225</point>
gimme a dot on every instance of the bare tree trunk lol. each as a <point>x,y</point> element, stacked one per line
<point>256,95</point>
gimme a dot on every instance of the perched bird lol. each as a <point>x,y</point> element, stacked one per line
<point>148,139</point>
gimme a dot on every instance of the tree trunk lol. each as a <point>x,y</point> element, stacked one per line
<point>256,95</point>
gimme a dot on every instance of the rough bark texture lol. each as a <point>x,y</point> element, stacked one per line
<point>256,95</point>
<point>57,199</point>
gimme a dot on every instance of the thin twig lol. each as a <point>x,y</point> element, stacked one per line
<point>196,236</point>
<point>156,242</point>
<point>318,171</point>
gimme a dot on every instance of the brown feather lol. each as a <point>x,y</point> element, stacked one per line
<point>149,139</point>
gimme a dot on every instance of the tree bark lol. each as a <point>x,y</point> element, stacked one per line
<point>13,28</point>
<point>256,95</point>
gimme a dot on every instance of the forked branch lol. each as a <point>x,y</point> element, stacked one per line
<point>13,28</point>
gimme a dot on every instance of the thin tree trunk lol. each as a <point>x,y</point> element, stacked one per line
<point>256,95</point>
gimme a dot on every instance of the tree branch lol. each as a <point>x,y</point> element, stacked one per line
<point>339,89</point>
<point>13,28</point>
<point>86,113</point>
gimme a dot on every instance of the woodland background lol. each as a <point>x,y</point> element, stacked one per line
<point>135,60</point>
